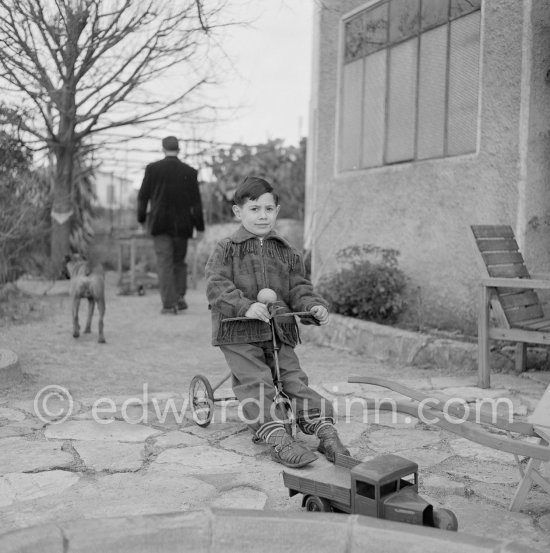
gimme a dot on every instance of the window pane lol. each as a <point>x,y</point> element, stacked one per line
<point>402,101</point>
<point>462,7</point>
<point>431,93</point>
<point>374,111</point>
<point>404,19</point>
<point>463,84</point>
<point>350,143</point>
<point>434,13</point>
<point>366,33</point>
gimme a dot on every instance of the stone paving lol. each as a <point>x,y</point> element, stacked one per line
<point>130,454</point>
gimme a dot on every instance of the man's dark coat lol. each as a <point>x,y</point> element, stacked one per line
<point>171,187</point>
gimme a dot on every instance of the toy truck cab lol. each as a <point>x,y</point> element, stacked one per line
<point>387,487</point>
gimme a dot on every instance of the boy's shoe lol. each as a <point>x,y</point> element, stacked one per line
<point>182,304</point>
<point>330,443</point>
<point>292,454</point>
<point>169,311</point>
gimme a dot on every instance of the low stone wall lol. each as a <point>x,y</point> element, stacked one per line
<point>392,345</point>
<point>238,531</point>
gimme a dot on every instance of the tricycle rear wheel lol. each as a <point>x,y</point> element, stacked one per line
<point>201,400</point>
<point>314,503</point>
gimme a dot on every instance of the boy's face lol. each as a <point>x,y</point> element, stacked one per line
<point>258,216</point>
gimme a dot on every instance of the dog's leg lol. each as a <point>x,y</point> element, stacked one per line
<point>101,311</point>
<point>76,326</point>
<point>91,305</point>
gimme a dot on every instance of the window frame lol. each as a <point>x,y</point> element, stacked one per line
<point>339,111</point>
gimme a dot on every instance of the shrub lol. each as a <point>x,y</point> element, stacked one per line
<point>368,286</point>
<point>24,218</point>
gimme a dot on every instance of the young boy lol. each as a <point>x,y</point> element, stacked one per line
<point>253,258</point>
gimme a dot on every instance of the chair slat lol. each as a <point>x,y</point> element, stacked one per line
<point>492,231</point>
<point>508,271</point>
<point>497,245</point>
<point>517,315</point>
<point>537,324</point>
<point>503,258</point>
<point>519,299</point>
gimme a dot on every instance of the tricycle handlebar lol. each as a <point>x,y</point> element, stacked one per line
<point>274,315</point>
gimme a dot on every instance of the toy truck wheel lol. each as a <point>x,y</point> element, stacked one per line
<point>201,399</point>
<point>445,520</point>
<point>314,503</point>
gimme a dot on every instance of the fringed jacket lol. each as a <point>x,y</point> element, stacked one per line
<point>238,268</point>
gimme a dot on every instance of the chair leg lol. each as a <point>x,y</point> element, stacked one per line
<point>529,477</point>
<point>484,369</point>
<point>524,486</point>
<point>521,357</point>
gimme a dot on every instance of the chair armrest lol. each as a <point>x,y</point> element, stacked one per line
<point>516,283</point>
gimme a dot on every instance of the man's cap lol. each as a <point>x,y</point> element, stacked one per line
<point>170,143</point>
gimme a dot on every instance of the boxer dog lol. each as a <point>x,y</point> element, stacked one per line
<point>87,282</point>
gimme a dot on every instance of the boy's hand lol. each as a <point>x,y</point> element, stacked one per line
<point>320,313</point>
<point>258,311</point>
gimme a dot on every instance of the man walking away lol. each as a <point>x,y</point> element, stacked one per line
<point>171,188</point>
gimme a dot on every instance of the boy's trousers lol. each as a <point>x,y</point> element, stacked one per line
<point>253,370</point>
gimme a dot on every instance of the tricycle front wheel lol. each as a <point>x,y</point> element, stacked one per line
<point>201,400</point>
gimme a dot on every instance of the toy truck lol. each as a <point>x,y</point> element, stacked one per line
<point>383,487</point>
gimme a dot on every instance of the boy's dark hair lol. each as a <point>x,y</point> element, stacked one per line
<point>251,188</point>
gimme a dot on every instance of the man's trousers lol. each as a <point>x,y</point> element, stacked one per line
<point>170,252</point>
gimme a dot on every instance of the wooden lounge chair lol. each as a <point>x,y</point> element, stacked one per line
<point>501,433</point>
<point>508,291</point>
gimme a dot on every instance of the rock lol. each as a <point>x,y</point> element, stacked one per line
<point>200,459</point>
<point>38,287</point>
<point>242,444</point>
<point>21,455</point>
<point>466,448</point>
<point>117,431</point>
<point>242,497</point>
<point>472,469</point>
<point>10,415</point>
<point>474,394</point>
<point>216,430</point>
<point>544,523</point>
<point>110,456</point>
<point>427,458</point>
<point>401,440</point>
<point>24,487</point>
<point>177,438</point>
<point>484,519</point>
<point>9,431</point>
<point>439,485</point>
<point>10,370</point>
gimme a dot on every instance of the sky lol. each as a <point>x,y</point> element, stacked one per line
<point>273,57</point>
<point>267,84</point>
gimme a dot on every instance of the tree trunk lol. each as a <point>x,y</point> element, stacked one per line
<point>62,208</point>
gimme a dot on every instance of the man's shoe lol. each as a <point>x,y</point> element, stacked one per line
<point>182,304</point>
<point>330,443</point>
<point>292,454</point>
<point>169,311</point>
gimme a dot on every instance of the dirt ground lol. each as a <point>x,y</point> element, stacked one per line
<point>144,348</point>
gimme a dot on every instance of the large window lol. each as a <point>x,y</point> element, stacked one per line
<point>410,82</point>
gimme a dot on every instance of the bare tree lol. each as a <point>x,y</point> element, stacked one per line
<point>87,66</point>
